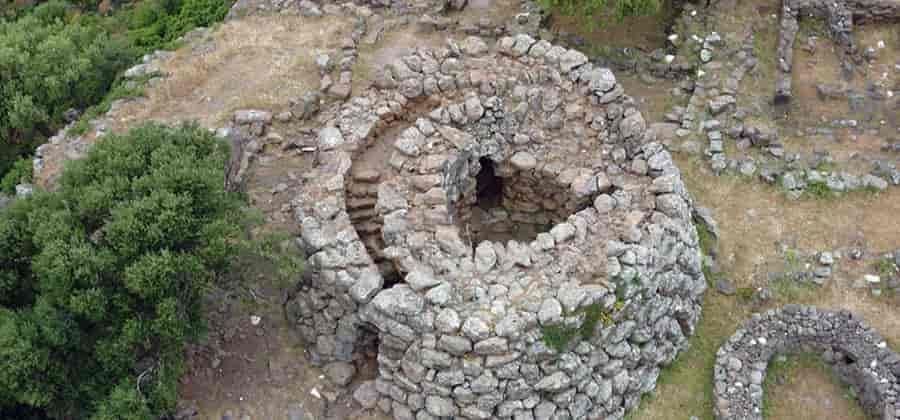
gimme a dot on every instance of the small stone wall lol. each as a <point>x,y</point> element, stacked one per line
<point>840,16</point>
<point>856,353</point>
<point>573,324</point>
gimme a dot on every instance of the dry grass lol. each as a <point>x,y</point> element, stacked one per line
<point>256,62</point>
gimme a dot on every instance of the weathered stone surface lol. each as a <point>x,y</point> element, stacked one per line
<point>330,138</point>
<point>366,395</point>
<point>462,319</point>
<point>250,116</point>
<point>340,373</point>
<point>523,161</point>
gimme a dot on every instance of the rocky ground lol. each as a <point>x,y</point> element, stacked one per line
<point>805,197</point>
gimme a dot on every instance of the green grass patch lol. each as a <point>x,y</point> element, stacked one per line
<point>706,238</point>
<point>886,268</point>
<point>813,26</point>
<point>558,337</point>
<point>819,190</point>
<point>790,291</point>
<point>827,166</point>
<point>792,258</point>
<point>764,42</point>
<point>593,13</point>
<point>745,294</point>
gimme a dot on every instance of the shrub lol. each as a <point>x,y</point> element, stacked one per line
<point>20,173</point>
<point>101,280</point>
<point>157,23</point>
<point>49,65</point>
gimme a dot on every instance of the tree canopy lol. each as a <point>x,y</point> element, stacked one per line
<point>101,280</point>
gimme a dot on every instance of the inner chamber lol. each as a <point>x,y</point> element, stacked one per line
<point>507,204</point>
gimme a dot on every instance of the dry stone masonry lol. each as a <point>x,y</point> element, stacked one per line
<point>855,352</point>
<point>496,221</point>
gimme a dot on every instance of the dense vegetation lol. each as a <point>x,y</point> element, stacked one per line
<point>595,12</point>
<point>60,56</point>
<point>47,66</point>
<point>101,280</point>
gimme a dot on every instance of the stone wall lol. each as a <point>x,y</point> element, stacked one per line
<point>467,332</point>
<point>856,353</point>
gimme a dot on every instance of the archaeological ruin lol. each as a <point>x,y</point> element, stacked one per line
<point>857,354</point>
<point>496,221</point>
<point>840,16</point>
<point>490,228</point>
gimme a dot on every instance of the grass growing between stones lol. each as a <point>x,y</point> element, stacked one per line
<point>706,238</point>
<point>886,268</point>
<point>819,191</point>
<point>558,337</point>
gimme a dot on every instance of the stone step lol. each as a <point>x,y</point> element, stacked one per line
<point>375,246</point>
<point>366,176</point>
<point>362,214</point>
<point>367,228</point>
<point>354,203</point>
<point>363,190</point>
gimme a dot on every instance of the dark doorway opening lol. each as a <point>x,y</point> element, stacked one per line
<point>489,186</point>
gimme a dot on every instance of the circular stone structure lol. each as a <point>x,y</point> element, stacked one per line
<point>499,223</point>
<point>855,352</point>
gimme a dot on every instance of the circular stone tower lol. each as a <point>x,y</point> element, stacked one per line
<point>498,222</point>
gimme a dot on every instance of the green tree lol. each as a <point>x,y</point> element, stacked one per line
<point>49,64</point>
<point>101,280</point>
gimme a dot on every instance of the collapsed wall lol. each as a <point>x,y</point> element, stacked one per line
<point>545,261</point>
<point>855,352</point>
